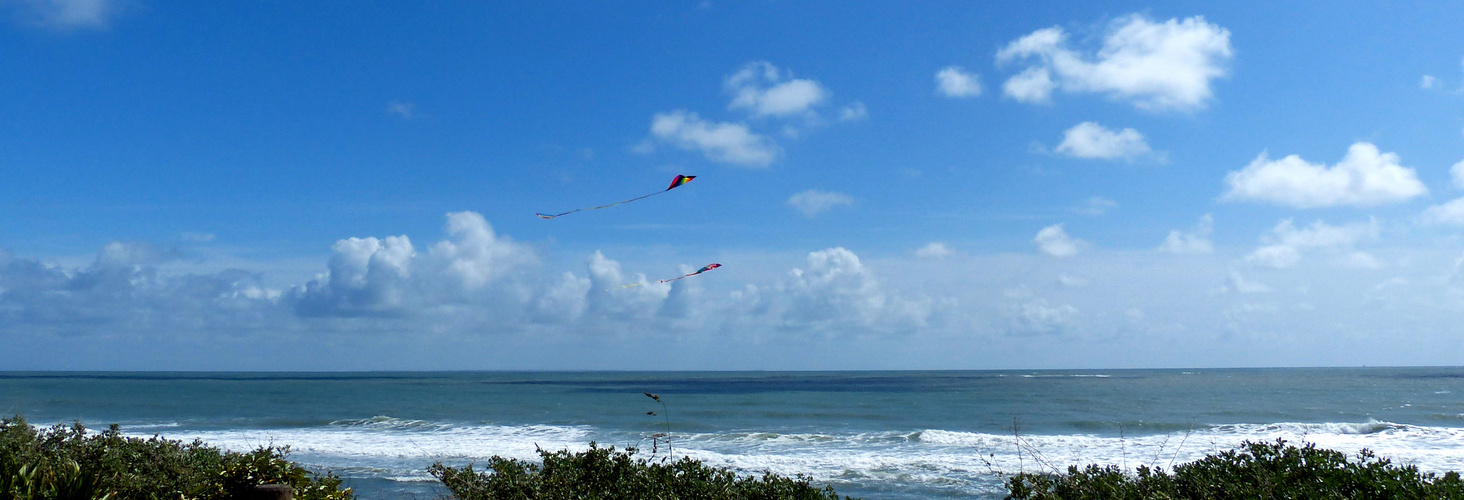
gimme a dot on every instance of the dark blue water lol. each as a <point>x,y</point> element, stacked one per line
<point>871,434</point>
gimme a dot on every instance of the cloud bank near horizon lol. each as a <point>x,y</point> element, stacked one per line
<point>481,286</point>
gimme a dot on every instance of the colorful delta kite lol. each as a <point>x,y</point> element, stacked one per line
<point>706,268</point>
<point>675,183</point>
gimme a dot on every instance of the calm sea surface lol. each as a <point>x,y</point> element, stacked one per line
<point>901,434</point>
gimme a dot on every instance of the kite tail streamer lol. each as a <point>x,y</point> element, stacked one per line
<point>708,267</point>
<point>675,183</point>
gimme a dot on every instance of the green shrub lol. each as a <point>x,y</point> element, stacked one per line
<point>603,473</point>
<point>1252,471</point>
<point>63,463</point>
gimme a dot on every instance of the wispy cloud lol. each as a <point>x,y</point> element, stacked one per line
<point>71,14</point>
<point>814,201</point>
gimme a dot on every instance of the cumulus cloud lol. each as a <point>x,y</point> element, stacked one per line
<point>1282,247</point>
<point>1052,240</point>
<point>814,201</point>
<point>954,81</point>
<point>1428,82</point>
<point>763,90</point>
<point>1038,315</point>
<point>1157,66</point>
<point>1456,174</point>
<point>834,286</point>
<point>1090,140</point>
<point>1365,177</point>
<point>853,112</point>
<point>1196,241</point>
<point>370,276</point>
<point>731,143</point>
<point>935,250</point>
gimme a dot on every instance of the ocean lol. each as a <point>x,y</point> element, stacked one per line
<point>896,434</point>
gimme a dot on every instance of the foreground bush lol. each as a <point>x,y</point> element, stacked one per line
<point>603,473</point>
<point>1252,471</point>
<point>66,463</point>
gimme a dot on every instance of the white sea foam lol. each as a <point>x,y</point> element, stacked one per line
<point>928,460</point>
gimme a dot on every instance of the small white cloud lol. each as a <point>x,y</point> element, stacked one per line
<point>1040,316</point>
<point>731,143</point>
<point>1428,82</point>
<point>1456,173</point>
<point>855,111</point>
<point>1196,241</point>
<point>762,89</point>
<point>406,110</point>
<point>954,81</point>
<point>1361,260</point>
<point>1242,285</point>
<point>72,13</point>
<point>1365,177</point>
<point>935,250</point>
<point>1096,206</point>
<point>1450,214</point>
<point>1277,256</point>
<point>1072,281</point>
<point>1052,240</point>
<point>1282,246</point>
<point>1155,65</point>
<point>1033,86</point>
<point>1092,141</point>
<point>813,202</point>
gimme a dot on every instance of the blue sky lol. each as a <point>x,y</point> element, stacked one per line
<point>949,185</point>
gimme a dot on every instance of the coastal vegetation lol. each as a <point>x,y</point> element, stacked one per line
<point>72,463</point>
<point>1265,470</point>
<point>604,473</point>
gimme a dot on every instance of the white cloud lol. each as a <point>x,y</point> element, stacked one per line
<point>835,286</point>
<point>72,13</point>
<point>1240,284</point>
<point>405,110</point>
<point>1428,82</point>
<point>1155,65</point>
<point>1365,177</point>
<point>1277,256</point>
<point>935,250</point>
<point>476,255</point>
<point>1456,173</point>
<point>954,81</point>
<point>1052,240</point>
<point>813,202</point>
<point>370,276</point>
<point>1033,85</point>
<point>1037,315</point>
<point>731,143</point>
<point>1282,247</point>
<point>1092,141</point>
<point>1072,281</point>
<point>1096,206</point>
<point>1451,213</point>
<point>854,111</point>
<point>1196,241</point>
<point>1361,260</point>
<point>763,90</point>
